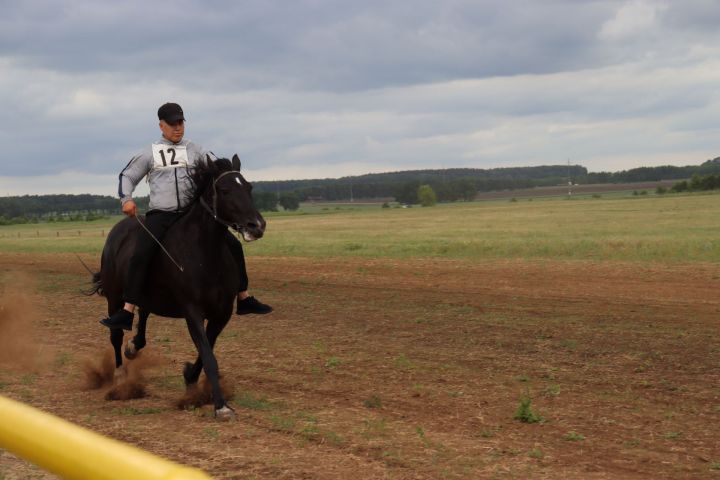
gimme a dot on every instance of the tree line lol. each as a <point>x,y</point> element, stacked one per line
<point>464,183</point>
<point>452,184</point>
<point>697,183</point>
<point>652,174</point>
<point>59,208</point>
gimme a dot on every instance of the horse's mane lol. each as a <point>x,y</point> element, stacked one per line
<point>203,174</point>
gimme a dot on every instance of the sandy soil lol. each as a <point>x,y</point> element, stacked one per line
<point>401,369</point>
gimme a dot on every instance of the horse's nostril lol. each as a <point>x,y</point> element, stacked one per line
<point>257,225</point>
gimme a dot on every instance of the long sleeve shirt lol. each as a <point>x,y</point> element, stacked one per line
<point>167,166</point>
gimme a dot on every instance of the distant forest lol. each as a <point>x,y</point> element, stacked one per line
<point>58,208</point>
<point>450,184</point>
<point>464,183</point>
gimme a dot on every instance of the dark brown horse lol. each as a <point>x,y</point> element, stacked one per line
<point>196,278</point>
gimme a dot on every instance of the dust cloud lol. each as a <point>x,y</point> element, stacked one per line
<point>129,382</point>
<point>20,349</point>
<point>200,394</point>
<point>99,371</point>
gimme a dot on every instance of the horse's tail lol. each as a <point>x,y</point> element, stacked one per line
<point>97,286</point>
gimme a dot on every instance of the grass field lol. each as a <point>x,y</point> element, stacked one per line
<point>671,228</point>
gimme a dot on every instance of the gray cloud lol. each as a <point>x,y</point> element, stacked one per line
<point>332,88</point>
<point>334,45</point>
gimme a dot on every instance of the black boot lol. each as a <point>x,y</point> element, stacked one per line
<point>120,319</point>
<point>251,305</point>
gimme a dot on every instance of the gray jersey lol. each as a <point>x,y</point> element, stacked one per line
<point>167,166</point>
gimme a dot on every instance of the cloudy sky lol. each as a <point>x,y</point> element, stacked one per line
<point>320,88</point>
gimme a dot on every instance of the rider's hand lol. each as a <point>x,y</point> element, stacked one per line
<point>129,208</point>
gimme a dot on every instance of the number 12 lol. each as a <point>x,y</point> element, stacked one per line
<point>172,159</point>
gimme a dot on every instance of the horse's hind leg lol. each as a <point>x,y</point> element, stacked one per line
<point>116,335</point>
<point>191,372</point>
<point>138,342</point>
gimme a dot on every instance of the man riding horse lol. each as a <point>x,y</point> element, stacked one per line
<point>167,164</point>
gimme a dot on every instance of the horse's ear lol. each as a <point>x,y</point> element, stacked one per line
<point>236,162</point>
<point>210,164</point>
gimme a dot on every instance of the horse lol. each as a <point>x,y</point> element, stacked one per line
<point>195,278</point>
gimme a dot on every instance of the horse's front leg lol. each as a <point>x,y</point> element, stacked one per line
<point>138,342</point>
<point>215,326</point>
<point>209,362</point>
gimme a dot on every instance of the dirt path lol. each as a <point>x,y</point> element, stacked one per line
<point>406,369</point>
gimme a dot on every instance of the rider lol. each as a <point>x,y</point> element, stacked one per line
<point>166,164</point>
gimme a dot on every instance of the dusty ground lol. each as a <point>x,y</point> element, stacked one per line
<point>405,369</point>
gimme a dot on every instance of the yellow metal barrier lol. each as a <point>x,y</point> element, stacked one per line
<point>74,452</point>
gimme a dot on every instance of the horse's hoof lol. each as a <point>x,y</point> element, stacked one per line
<point>225,414</point>
<point>130,350</point>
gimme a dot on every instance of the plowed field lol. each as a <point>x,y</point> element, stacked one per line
<point>401,369</point>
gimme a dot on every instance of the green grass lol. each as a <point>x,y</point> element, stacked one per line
<point>373,402</point>
<point>374,427</point>
<point>212,433</point>
<point>333,362</point>
<point>81,237</point>
<point>552,391</point>
<point>250,401</point>
<point>282,423</point>
<point>536,453</point>
<point>403,363</point>
<point>62,359</point>
<point>669,228</point>
<point>525,413</point>
<point>679,228</point>
<point>573,437</point>
<point>138,411</point>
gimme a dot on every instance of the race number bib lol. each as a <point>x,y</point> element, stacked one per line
<point>169,156</point>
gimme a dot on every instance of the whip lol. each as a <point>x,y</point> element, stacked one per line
<point>158,242</point>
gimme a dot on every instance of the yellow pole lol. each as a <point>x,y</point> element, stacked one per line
<point>74,452</point>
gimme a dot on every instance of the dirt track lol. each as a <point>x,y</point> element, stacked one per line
<point>409,369</point>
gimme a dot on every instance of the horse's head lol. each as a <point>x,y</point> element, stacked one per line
<point>228,196</point>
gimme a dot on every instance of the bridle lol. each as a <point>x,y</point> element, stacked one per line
<point>213,210</point>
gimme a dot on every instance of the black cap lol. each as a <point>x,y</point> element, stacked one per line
<point>171,113</point>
